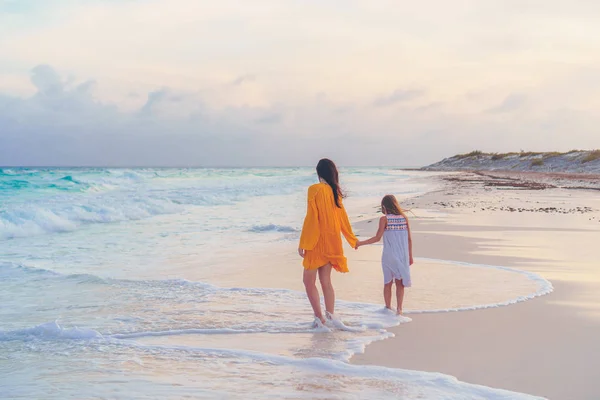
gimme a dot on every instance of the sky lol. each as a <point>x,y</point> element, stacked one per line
<point>286,82</point>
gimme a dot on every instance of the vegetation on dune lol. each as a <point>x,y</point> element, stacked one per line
<point>575,161</point>
<point>500,156</point>
<point>474,153</point>
<point>552,154</point>
<point>529,153</point>
<point>592,156</point>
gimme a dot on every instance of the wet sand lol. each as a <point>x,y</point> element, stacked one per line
<point>548,346</point>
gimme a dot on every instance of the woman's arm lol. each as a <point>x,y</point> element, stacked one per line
<point>378,235</point>
<point>310,229</point>
<point>346,228</point>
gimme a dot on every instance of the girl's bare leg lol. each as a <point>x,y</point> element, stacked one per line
<point>310,279</point>
<point>387,294</point>
<point>328,292</point>
<point>399,295</point>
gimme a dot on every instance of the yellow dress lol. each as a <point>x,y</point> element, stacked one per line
<point>323,226</point>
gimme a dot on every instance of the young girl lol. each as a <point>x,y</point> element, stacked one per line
<point>397,250</point>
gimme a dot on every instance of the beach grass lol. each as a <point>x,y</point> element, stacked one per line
<point>474,153</point>
<point>553,154</point>
<point>529,153</point>
<point>592,156</point>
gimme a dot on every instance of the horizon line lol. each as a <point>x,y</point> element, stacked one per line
<point>203,166</point>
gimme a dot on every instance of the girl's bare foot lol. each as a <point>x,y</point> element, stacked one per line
<point>399,312</point>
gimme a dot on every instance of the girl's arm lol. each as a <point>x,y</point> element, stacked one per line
<point>410,253</point>
<point>378,235</point>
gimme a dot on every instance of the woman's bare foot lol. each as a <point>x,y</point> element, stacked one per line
<point>399,312</point>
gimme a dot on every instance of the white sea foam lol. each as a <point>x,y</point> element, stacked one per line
<point>412,384</point>
<point>132,196</point>
<point>272,228</point>
<point>284,373</point>
<point>31,220</point>
<point>191,331</point>
<point>50,331</point>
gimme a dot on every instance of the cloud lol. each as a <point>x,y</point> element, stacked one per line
<point>244,79</point>
<point>154,98</point>
<point>398,96</point>
<point>64,123</point>
<point>434,106</point>
<point>256,96</point>
<point>46,80</point>
<point>270,118</point>
<point>512,102</point>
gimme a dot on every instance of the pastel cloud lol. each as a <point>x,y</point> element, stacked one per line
<point>198,82</point>
<point>398,96</point>
<point>512,102</point>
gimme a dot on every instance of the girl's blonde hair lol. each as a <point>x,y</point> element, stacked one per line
<point>391,205</point>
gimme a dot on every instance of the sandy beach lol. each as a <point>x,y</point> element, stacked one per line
<point>547,346</point>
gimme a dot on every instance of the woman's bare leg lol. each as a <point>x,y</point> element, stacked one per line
<point>310,279</point>
<point>387,294</point>
<point>328,292</point>
<point>399,295</point>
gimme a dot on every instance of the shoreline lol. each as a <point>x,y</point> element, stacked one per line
<point>540,346</point>
<point>528,179</point>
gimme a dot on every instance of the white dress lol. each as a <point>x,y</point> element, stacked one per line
<point>395,258</point>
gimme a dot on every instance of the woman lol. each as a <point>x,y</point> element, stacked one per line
<point>321,242</point>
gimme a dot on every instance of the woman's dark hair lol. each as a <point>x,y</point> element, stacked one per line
<point>327,171</point>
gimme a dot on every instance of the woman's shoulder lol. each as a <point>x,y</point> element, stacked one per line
<point>316,188</point>
<point>317,185</point>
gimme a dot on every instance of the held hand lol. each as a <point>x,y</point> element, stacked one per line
<point>358,244</point>
<point>301,252</point>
